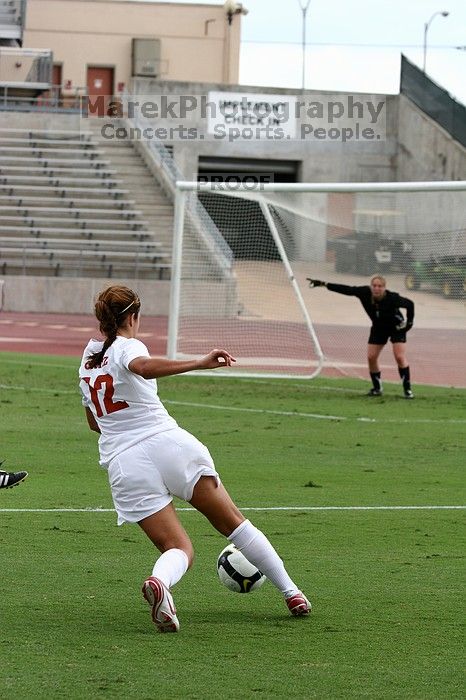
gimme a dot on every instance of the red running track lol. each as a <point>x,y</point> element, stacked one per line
<point>436,357</point>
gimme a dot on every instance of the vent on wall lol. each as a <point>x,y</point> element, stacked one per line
<point>146,58</point>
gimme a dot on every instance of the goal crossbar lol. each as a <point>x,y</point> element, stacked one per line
<point>338,187</point>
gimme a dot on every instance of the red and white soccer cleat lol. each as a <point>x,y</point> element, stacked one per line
<point>298,604</point>
<point>161,601</point>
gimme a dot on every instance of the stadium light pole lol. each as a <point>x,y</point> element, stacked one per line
<point>304,8</point>
<point>444,13</point>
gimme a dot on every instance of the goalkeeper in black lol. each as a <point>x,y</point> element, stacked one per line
<point>388,323</point>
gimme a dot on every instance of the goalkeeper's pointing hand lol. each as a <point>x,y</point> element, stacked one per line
<point>316,283</point>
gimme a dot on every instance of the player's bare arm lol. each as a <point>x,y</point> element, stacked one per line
<point>91,421</point>
<point>155,367</point>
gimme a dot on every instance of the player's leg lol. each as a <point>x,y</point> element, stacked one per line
<point>141,496</point>
<point>171,539</point>
<point>168,535</point>
<point>212,500</point>
<point>399,353</point>
<point>373,352</point>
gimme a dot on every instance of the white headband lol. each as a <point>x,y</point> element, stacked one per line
<point>135,301</point>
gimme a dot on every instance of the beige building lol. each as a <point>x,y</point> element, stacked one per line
<point>103,44</point>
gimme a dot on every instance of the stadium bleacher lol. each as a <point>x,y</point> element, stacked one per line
<point>64,211</point>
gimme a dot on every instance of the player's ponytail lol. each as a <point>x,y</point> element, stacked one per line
<point>112,308</point>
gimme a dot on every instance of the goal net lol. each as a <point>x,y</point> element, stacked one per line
<point>242,257</point>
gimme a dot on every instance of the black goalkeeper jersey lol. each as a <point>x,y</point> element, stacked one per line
<point>384,314</point>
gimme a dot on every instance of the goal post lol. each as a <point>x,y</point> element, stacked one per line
<point>242,255</point>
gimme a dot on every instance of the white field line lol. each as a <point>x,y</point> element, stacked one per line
<point>265,411</point>
<point>251,508</point>
<point>215,407</point>
<point>12,339</point>
<point>318,416</point>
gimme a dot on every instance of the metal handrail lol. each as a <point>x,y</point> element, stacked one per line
<point>196,213</point>
<point>50,98</point>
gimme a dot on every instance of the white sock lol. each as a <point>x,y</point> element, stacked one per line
<point>171,566</point>
<point>257,549</point>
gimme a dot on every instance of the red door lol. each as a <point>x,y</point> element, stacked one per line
<point>100,89</point>
<point>57,81</point>
<point>56,75</point>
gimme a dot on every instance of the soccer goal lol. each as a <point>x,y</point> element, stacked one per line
<point>242,256</point>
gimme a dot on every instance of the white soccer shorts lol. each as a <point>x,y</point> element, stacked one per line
<point>144,477</point>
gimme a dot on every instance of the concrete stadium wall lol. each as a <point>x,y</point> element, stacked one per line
<point>319,161</point>
<point>77,295</point>
<point>425,150</point>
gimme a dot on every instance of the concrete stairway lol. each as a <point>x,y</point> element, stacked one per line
<point>138,182</point>
<point>65,210</point>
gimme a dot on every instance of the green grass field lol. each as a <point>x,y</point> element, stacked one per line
<point>386,584</point>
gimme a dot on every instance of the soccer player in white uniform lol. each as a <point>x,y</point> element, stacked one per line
<point>149,458</point>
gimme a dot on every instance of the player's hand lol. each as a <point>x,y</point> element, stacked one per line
<point>404,326</point>
<point>316,283</point>
<point>216,358</point>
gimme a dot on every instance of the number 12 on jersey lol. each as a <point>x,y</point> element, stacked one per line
<point>104,381</point>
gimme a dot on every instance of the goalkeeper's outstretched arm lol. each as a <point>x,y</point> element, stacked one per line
<point>334,287</point>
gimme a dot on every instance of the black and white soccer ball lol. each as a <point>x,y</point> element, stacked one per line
<point>236,572</point>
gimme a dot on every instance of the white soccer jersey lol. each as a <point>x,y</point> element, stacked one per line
<point>126,406</point>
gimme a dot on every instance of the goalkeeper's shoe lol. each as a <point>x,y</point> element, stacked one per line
<point>298,604</point>
<point>161,601</point>
<point>10,479</point>
<point>408,394</point>
<point>375,392</point>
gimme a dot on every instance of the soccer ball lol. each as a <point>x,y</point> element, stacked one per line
<point>236,572</point>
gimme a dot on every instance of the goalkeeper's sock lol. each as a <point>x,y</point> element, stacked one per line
<point>406,377</point>
<point>376,380</point>
<point>171,566</point>
<point>257,549</point>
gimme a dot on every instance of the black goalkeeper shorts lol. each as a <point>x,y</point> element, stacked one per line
<point>381,336</point>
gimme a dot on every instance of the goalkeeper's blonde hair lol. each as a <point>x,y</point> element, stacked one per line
<point>379,277</point>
